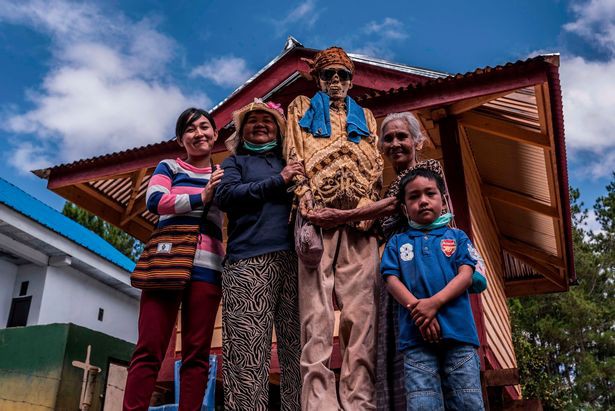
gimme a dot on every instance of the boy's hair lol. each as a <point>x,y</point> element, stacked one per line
<point>420,172</point>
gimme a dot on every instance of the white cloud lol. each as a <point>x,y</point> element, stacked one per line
<point>27,157</point>
<point>60,19</point>
<point>595,22</point>
<point>372,49</point>
<point>305,13</point>
<point>228,71</point>
<point>591,223</point>
<point>92,113</point>
<point>587,91</point>
<point>379,36</point>
<point>106,90</point>
<point>589,104</point>
<point>389,28</point>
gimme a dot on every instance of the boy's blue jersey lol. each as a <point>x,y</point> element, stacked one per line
<point>426,262</point>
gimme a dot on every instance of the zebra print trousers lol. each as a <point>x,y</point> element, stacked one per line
<point>256,293</point>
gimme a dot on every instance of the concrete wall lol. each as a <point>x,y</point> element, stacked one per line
<point>104,350</point>
<point>35,379</point>
<point>35,275</point>
<point>8,273</point>
<point>72,296</point>
<point>30,376</point>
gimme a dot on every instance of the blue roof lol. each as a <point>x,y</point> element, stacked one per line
<point>51,218</point>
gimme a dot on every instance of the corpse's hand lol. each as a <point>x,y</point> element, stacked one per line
<point>207,195</point>
<point>306,204</point>
<point>327,217</point>
<point>391,207</point>
<point>431,331</point>
<point>424,310</point>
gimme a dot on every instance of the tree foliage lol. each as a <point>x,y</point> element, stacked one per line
<point>125,243</point>
<point>565,342</point>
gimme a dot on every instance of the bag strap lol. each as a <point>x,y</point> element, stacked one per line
<point>207,206</point>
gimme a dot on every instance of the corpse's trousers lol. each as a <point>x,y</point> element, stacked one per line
<point>259,292</point>
<point>349,268</point>
<point>157,316</point>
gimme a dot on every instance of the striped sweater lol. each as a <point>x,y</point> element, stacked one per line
<point>174,193</point>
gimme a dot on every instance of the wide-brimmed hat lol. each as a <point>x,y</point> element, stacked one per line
<point>239,116</point>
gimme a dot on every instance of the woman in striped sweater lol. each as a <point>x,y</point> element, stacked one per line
<point>178,192</point>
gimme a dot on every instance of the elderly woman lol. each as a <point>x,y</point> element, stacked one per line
<point>401,137</point>
<point>259,281</point>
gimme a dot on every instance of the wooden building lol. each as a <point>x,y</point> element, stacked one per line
<point>497,131</point>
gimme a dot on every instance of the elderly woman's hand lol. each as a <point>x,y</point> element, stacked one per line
<point>207,195</point>
<point>292,169</point>
<point>327,217</point>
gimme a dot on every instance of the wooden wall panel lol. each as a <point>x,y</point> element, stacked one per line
<point>497,320</point>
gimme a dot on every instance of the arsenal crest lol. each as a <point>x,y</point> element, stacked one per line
<point>448,246</point>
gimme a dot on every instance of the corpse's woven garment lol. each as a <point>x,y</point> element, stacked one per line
<point>339,173</point>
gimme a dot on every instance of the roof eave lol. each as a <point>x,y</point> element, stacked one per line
<point>557,114</point>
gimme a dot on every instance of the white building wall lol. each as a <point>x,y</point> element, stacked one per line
<point>35,275</point>
<point>72,296</point>
<point>8,273</point>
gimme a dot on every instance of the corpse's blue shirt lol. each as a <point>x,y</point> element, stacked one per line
<point>425,262</point>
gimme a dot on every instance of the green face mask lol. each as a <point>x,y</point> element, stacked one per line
<point>260,148</point>
<point>441,221</point>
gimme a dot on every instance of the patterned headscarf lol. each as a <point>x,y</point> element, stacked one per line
<point>327,57</point>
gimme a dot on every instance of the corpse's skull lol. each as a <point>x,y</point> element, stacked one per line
<point>336,85</point>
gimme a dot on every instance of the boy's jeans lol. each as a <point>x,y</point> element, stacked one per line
<point>443,376</point>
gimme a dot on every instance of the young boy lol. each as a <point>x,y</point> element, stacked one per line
<point>428,270</point>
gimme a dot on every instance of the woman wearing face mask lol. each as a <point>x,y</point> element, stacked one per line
<point>259,282</point>
<point>178,192</point>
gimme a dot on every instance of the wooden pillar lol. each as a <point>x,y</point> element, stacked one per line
<point>455,181</point>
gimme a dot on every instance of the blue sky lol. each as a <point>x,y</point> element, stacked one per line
<point>82,79</point>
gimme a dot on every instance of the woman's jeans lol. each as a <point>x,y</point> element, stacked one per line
<point>443,376</point>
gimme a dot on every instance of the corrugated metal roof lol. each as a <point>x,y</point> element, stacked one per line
<point>23,203</point>
<point>434,78</point>
<point>371,61</point>
<point>494,155</point>
<point>477,74</point>
<point>164,147</point>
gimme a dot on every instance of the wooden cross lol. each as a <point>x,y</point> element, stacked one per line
<point>88,369</point>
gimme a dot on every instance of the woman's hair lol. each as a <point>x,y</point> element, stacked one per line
<point>414,126</point>
<point>420,172</point>
<point>189,116</point>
